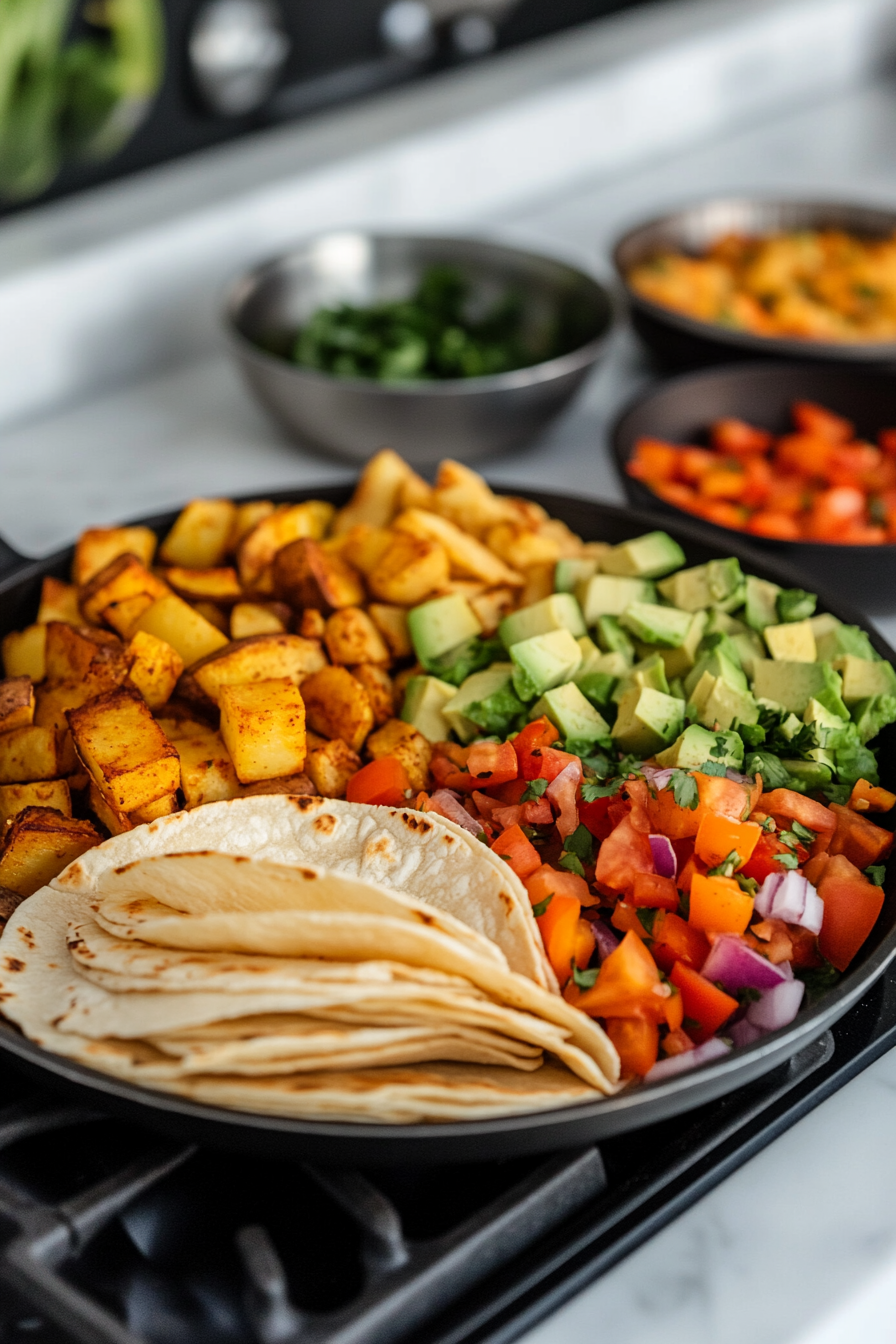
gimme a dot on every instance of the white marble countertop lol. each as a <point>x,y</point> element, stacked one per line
<point>799,1246</point>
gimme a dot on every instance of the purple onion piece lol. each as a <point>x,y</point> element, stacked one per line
<point>571,772</point>
<point>765,896</point>
<point>813,915</point>
<point>605,939</point>
<point>656,776</point>
<point>737,777</point>
<point>743,1033</point>
<point>777,1007</point>
<point>665,860</point>
<point>790,898</point>
<point>447,804</point>
<point>691,1059</point>
<point>736,966</point>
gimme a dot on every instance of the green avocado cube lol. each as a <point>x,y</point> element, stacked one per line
<point>704,585</point>
<point>792,641</point>
<point>719,664</point>
<point>424,700</point>
<point>666,627</point>
<point>873,714</point>
<point>696,745</point>
<point>544,661</point>
<point>477,689</point>
<point>760,603</point>
<point>680,661</point>
<point>647,720</point>
<point>612,638</point>
<point>651,671</point>
<point>793,685</point>
<point>717,704</point>
<point>577,719</point>
<point>863,678</point>
<point>645,557</point>
<point>748,647</point>
<point>560,611</point>
<point>597,688</point>
<point>613,665</point>
<point>610,594</point>
<point>819,714</point>
<point>440,625</point>
<point>810,774</point>
<point>844,640</point>
<point>572,571</point>
<point>721,623</point>
<point>823,624</point>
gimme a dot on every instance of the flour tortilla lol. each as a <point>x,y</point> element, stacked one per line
<point>419,854</point>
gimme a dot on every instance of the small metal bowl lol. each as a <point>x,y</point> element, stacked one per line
<point>681,342</point>
<point>464,418</point>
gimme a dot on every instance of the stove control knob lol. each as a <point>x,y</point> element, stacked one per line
<point>406,27</point>
<point>237,50</point>
<point>473,34</point>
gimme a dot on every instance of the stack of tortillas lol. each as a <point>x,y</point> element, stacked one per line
<point>303,957</point>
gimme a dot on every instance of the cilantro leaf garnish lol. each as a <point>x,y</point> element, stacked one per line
<point>684,789</point>
<point>727,866</point>
<point>539,909</point>
<point>789,838</point>
<point>747,884</point>
<point>483,837</point>
<point>712,768</point>
<point>572,863</point>
<point>877,872</point>
<point>581,843</point>
<point>802,832</point>
<point>720,748</point>
<point>534,790</point>
<point>592,791</point>
<point>647,919</point>
<point>584,979</point>
<point>787,860</point>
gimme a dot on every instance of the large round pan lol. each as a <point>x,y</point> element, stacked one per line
<point>572,1126</point>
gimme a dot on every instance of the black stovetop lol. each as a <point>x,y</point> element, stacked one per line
<point>112,1235</point>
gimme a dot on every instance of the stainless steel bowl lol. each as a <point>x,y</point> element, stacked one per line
<point>464,418</point>
<point>683,342</point>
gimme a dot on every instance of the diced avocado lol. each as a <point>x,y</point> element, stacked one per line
<point>666,627</point>
<point>871,715</point>
<point>560,611</point>
<point>578,721</point>
<point>863,678</point>
<point>572,571</point>
<point>792,642</point>
<point>720,623</point>
<point>597,687</point>
<point>823,624</point>
<point>697,745</point>
<point>612,638</point>
<point>760,603</point>
<point>717,662</point>
<point>793,685</point>
<point>610,594</point>
<point>717,704</point>
<point>645,557</point>
<point>650,671</point>
<point>474,691</point>
<point>424,700</point>
<point>440,625</point>
<point>703,585</point>
<point>843,640</point>
<point>795,604</point>
<point>680,661</point>
<point>676,688</point>
<point>790,726</point>
<point>811,774</point>
<point>749,648</point>
<point>819,714</point>
<point>647,720</point>
<point>594,662</point>
<point>543,662</point>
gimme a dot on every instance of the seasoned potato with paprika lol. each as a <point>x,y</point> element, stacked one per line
<point>337,705</point>
<point>16,703</point>
<point>378,685</point>
<point>124,750</point>
<point>14,798</point>
<point>411,748</point>
<point>263,727</point>
<point>99,545</point>
<point>153,667</point>
<point>201,534</point>
<point>408,570</point>
<point>38,844</point>
<point>306,575</point>
<point>352,637</point>
<point>124,577</point>
<point>331,766</point>
<point>260,658</point>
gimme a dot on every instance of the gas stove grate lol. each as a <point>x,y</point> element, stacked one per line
<point>109,1235</point>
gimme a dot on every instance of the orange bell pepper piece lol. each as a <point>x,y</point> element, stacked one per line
<point>653,460</point>
<point>867,797</point>
<point>851,907</point>
<point>625,851</point>
<point>667,818</point>
<point>778,526</point>
<point>559,928</point>
<point>654,892</point>
<point>718,905</point>
<point>706,1006</point>
<point>736,436</point>
<point>674,1010</point>
<point>384,782</point>
<point>720,836</point>
<point>637,1041</point>
<point>676,940</point>
<point>625,919</point>
<point>547,881</point>
<point>517,850</point>
<point>628,985</point>
<point>584,944</point>
<point>859,839</point>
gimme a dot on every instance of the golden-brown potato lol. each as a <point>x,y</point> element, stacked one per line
<point>124,577</point>
<point>215,615</point>
<point>53,702</point>
<point>115,822</point>
<point>312,624</point>
<point>292,784</point>
<point>123,615</point>
<point>81,652</point>
<point>124,750</point>
<point>153,667</point>
<point>99,545</point>
<point>563,537</point>
<point>492,606</point>
<point>16,703</point>
<point>331,766</point>
<point>284,525</point>
<point>305,575</point>
<point>539,584</point>
<point>469,558</point>
<point>200,535</point>
<point>364,546</point>
<point>258,618</point>
<point>376,497</point>
<point>14,798</point>
<point>407,745</point>
<point>263,727</point>
<point>248,516</point>
<point>206,770</point>
<point>24,652</point>
<point>337,705</point>
<point>205,585</point>
<point>38,844</point>
<point>464,498</point>
<point>260,658</point>
<point>378,685</point>
<point>521,546</point>
<point>58,602</point>
<point>352,637</point>
<point>409,570</point>
<point>31,753</point>
<point>392,623</point>
<point>174,620</point>
<point>162,807</point>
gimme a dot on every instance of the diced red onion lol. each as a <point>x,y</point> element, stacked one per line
<point>665,860</point>
<point>736,966</point>
<point>743,1033</point>
<point>658,777</point>
<point>605,939</point>
<point>737,778</point>
<point>791,897</point>
<point>448,804</point>
<point>691,1059</point>
<point>777,1007</point>
<point>813,914</point>
<point>562,793</point>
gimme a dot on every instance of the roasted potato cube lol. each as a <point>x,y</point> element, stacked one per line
<point>521,546</point>
<point>305,575</point>
<point>31,753</point>
<point>153,667</point>
<point>124,615</point>
<point>312,624</point>
<point>205,585</point>
<point>563,537</point>
<point>492,606</point>
<point>263,727</point>
<point>293,784</point>
<point>392,623</point>
<point>80,652</point>
<point>162,807</point>
<point>115,822</point>
<point>415,493</point>
<point>352,637</point>
<point>14,798</point>
<point>377,495</point>
<point>200,535</point>
<point>9,903</point>
<point>58,602</point>
<point>400,740</point>
<point>468,588</point>
<point>539,584</point>
<point>54,701</point>
<point>215,616</point>
<point>258,618</point>
<point>99,545</point>
<point>363,547</point>
<point>25,652</point>
<point>38,844</point>
<point>331,767</point>
<point>468,557</point>
<point>259,658</point>
<point>206,770</point>
<point>378,685</point>
<point>464,498</point>
<point>124,577</point>
<point>337,705</point>
<point>16,703</point>
<point>284,525</point>
<point>124,750</point>
<point>175,621</point>
<point>248,516</point>
<point>409,570</point>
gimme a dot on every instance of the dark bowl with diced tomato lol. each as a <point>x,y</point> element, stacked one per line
<point>683,411</point>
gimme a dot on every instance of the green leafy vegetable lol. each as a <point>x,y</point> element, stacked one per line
<point>534,790</point>
<point>712,768</point>
<point>802,832</point>
<point>751,734</point>
<point>584,979</point>
<point>461,662</point>
<point>877,872</point>
<point>647,919</point>
<point>786,860</point>
<point>684,789</point>
<point>580,843</point>
<point>747,884</point>
<point>541,906</point>
<point>769,766</point>
<point>817,979</point>
<point>794,604</point>
<point>498,713</point>
<point>572,863</point>
<point>591,791</point>
<point>727,866</point>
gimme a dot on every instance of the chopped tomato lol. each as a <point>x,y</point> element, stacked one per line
<point>595,817</point>
<point>685,878</point>
<point>654,892</point>
<point>706,1007</point>
<point>851,907</point>
<point>552,762</point>
<point>677,1043</point>
<point>624,853</point>
<point>639,797</point>
<point>811,418</point>
<point>637,1041</point>
<point>628,985</point>
<point>859,839</point>
<point>736,436</point>
<point>625,919</point>
<point>797,807</point>
<point>804,952</point>
<point>718,905</point>
<point>492,763</point>
<point>584,945</point>
<point>547,881</point>
<point>722,796</point>
<point>866,797</point>
<point>384,783</point>
<point>814,867</point>
<point>559,930</point>
<point>537,812</point>
<point>517,850</point>
<point>762,861</point>
<point>562,794</point>
<point>511,792</point>
<point>719,836</point>
<point>676,940</point>
<point>536,735</point>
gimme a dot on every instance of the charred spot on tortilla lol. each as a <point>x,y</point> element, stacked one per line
<point>70,875</point>
<point>126,867</point>
<point>13,964</point>
<point>304,801</point>
<point>416,823</point>
<point>382,844</point>
<point>326,824</point>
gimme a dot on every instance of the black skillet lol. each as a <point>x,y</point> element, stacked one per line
<point>371,1144</point>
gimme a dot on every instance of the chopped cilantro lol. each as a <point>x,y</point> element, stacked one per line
<point>505,857</point>
<point>684,789</point>
<point>712,768</point>
<point>483,837</point>
<point>787,860</point>
<point>747,884</point>
<point>751,734</point>
<point>584,979</point>
<point>837,793</point>
<point>684,904</point>
<point>539,909</point>
<point>647,919</point>
<point>789,838</point>
<point>747,995</point>
<point>818,979</point>
<point>591,791</point>
<point>534,790</point>
<point>727,866</point>
<point>691,1024</point>
<point>768,824</point>
<point>572,863</point>
<point>877,873</point>
<point>802,832</point>
<point>720,748</point>
<point>580,843</point>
